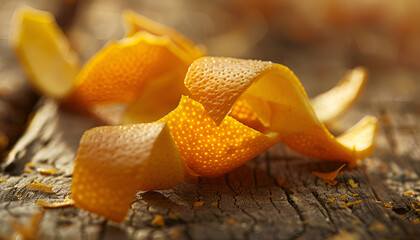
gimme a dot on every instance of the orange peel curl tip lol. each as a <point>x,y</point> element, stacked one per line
<point>114,162</point>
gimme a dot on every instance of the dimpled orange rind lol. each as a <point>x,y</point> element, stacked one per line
<point>114,162</point>
<point>278,99</point>
<point>210,150</point>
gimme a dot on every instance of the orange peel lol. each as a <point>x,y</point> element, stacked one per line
<point>278,99</point>
<point>210,150</point>
<point>114,162</point>
<point>119,72</point>
<point>330,176</point>
<point>332,104</point>
<point>238,109</point>
<point>153,57</point>
<point>43,50</point>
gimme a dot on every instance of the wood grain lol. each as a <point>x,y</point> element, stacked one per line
<point>247,203</point>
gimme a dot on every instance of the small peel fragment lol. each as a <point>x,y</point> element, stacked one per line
<point>47,172</point>
<point>353,184</point>
<point>113,163</point>
<point>158,221</point>
<point>387,205</point>
<point>409,192</point>
<point>198,203</point>
<point>66,203</point>
<point>40,187</point>
<point>330,176</point>
<point>345,205</point>
<point>44,51</point>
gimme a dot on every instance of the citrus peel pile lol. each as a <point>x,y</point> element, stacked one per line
<point>225,112</point>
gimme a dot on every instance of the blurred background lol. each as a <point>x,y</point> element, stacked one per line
<point>319,39</point>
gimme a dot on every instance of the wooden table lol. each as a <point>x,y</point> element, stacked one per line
<point>274,196</point>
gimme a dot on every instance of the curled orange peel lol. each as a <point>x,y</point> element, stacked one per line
<point>212,150</point>
<point>276,97</point>
<point>156,58</point>
<point>209,149</point>
<point>332,104</point>
<point>114,162</point>
<point>118,73</point>
<point>238,109</point>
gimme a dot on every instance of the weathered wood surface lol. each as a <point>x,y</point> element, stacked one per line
<point>247,203</point>
<point>250,202</point>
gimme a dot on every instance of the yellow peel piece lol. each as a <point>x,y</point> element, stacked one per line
<point>113,163</point>
<point>39,187</point>
<point>329,176</point>
<point>276,96</point>
<point>65,203</point>
<point>333,103</point>
<point>210,150</point>
<point>44,52</point>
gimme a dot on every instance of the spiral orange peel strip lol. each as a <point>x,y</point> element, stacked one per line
<point>276,96</point>
<point>265,103</point>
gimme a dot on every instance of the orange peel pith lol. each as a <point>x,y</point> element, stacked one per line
<point>43,50</point>
<point>113,163</point>
<point>332,104</point>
